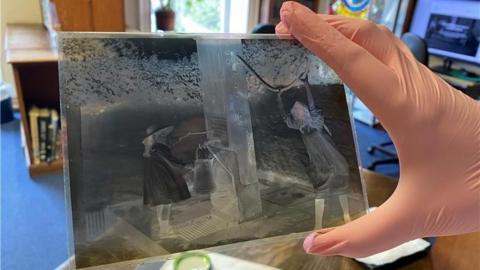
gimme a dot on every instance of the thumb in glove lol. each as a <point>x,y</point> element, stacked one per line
<point>435,129</point>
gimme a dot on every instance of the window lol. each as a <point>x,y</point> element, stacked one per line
<point>210,16</point>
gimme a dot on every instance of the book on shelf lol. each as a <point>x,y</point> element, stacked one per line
<point>44,131</point>
<point>43,120</point>
<point>33,117</point>
<point>52,136</point>
<point>59,148</point>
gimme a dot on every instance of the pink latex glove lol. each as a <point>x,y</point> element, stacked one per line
<point>435,129</point>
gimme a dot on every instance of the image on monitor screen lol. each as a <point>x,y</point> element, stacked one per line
<point>454,34</point>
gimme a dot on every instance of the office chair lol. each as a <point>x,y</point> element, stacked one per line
<point>418,47</point>
<point>263,28</point>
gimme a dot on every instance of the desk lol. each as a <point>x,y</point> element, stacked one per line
<point>288,253</point>
<point>468,87</point>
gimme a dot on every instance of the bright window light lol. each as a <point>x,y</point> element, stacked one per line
<point>207,16</point>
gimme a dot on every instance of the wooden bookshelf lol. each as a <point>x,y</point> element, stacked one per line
<point>34,59</point>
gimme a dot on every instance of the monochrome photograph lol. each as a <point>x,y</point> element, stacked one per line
<point>179,143</point>
<point>454,34</point>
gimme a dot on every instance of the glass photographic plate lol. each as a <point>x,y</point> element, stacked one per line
<point>184,142</point>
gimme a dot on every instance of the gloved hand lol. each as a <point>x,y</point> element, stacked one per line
<point>435,129</point>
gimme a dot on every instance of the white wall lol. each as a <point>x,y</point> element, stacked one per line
<point>16,11</point>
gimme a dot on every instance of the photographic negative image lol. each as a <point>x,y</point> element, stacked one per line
<point>180,142</point>
<point>454,34</point>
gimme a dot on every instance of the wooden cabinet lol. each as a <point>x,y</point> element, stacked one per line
<point>108,15</point>
<point>90,15</point>
<point>35,69</point>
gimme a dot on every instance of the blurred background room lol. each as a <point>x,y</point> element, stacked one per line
<point>443,34</point>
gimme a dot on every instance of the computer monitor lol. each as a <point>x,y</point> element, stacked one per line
<point>451,28</point>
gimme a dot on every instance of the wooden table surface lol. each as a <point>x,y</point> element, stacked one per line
<point>287,252</point>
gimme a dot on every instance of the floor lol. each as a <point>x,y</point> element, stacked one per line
<point>32,211</point>
<point>367,136</point>
<point>33,230</point>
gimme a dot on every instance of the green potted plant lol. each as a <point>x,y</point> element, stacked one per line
<point>165,16</point>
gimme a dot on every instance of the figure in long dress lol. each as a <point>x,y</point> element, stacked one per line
<point>331,171</point>
<point>164,183</point>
